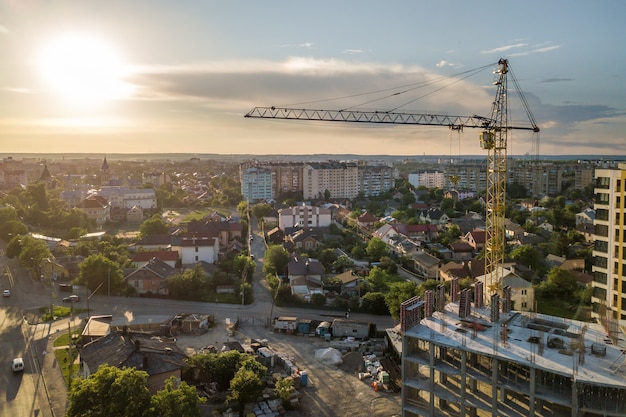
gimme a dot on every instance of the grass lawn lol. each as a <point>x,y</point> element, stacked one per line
<point>62,354</point>
<point>561,308</point>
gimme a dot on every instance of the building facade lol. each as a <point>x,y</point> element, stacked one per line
<point>609,269</point>
<point>256,184</point>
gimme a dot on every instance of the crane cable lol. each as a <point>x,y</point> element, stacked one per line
<point>407,88</point>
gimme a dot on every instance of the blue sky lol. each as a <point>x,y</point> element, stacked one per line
<point>149,76</point>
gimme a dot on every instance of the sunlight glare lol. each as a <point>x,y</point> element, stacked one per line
<point>83,69</point>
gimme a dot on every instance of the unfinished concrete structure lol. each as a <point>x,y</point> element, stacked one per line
<point>462,359</point>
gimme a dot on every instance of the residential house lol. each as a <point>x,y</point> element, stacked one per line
<point>513,230</point>
<point>434,216</point>
<point>150,279</point>
<point>170,257</point>
<point>522,291</point>
<point>304,216</point>
<point>386,233</point>
<point>303,239</point>
<point>225,231</point>
<point>152,243</point>
<point>426,265</point>
<point>64,268</point>
<point>305,276</point>
<point>366,220</point>
<point>96,327</point>
<point>419,232</point>
<point>95,208</point>
<point>275,235</point>
<point>587,216</point>
<point>588,231</point>
<point>134,214</point>
<point>554,260</point>
<point>461,251</point>
<point>476,239</point>
<point>197,247</point>
<point>349,282</point>
<point>160,358</point>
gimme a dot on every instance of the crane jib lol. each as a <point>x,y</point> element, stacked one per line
<point>352,116</point>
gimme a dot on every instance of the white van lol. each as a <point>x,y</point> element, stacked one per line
<point>18,365</point>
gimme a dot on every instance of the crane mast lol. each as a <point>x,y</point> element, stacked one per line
<point>493,139</point>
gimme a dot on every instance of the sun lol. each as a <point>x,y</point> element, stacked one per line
<point>83,69</point>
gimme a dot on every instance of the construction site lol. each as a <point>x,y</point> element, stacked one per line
<point>462,358</point>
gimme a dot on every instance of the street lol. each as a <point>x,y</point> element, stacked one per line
<point>27,394</point>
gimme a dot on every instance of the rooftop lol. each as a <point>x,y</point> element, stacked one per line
<point>531,340</point>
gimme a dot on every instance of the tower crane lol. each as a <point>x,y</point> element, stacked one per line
<point>493,139</point>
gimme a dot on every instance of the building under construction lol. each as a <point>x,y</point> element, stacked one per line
<point>462,358</point>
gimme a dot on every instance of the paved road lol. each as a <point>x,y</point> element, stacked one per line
<point>28,395</point>
<point>24,392</point>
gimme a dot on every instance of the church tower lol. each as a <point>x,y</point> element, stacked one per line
<point>105,175</point>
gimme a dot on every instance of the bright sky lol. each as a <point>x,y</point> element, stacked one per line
<point>161,76</point>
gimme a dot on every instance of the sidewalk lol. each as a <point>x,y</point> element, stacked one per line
<point>55,385</point>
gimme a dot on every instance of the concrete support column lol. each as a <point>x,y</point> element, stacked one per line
<point>575,406</point>
<point>431,383</point>
<point>463,382</point>
<point>494,387</point>
<point>531,394</point>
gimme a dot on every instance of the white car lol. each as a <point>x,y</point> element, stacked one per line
<point>6,293</point>
<point>17,365</point>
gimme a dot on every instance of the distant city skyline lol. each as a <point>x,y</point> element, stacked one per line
<point>158,77</point>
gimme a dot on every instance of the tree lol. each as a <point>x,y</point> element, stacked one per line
<point>154,226</point>
<point>342,263</point>
<point>98,270</point>
<point>262,210</point>
<point>378,279</point>
<point>245,387</point>
<point>374,303</point>
<point>283,389</point>
<point>176,402</point>
<point>560,284</point>
<point>376,249</point>
<point>110,391</point>
<point>190,285</point>
<point>276,260</point>
<point>398,293</point>
<point>318,299</point>
<point>29,251</point>
<point>528,255</point>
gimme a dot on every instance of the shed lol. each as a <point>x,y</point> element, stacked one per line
<point>303,326</point>
<point>323,328</point>
<point>350,328</point>
<point>286,324</point>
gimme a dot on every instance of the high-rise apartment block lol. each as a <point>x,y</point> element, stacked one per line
<point>609,269</point>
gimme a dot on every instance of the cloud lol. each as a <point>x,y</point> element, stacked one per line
<point>353,51</point>
<point>555,80</point>
<point>504,48</point>
<point>306,45</point>
<point>537,50</point>
<point>328,83</point>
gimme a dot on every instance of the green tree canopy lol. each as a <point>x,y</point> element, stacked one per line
<point>374,303</point>
<point>155,225</point>
<point>110,391</point>
<point>261,210</point>
<point>176,402</point>
<point>398,293</point>
<point>528,255</point>
<point>376,249</point>
<point>191,285</point>
<point>276,260</point>
<point>98,270</point>
<point>245,387</point>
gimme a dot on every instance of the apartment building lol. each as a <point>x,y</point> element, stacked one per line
<point>462,358</point>
<point>340,179</point>
<point>609,269</point>
<point>428,179</point>
<point>375,180</point>
<point>256,184</point>
<point>304,216</point>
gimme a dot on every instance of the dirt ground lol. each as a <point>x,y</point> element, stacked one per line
<point>330,391</point>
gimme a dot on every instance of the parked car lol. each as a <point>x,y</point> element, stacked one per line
<point>6,293</point>
<point>17,365</point>
<point>71,299</point>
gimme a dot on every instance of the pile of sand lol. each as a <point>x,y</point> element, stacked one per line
<point>353,362</point>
